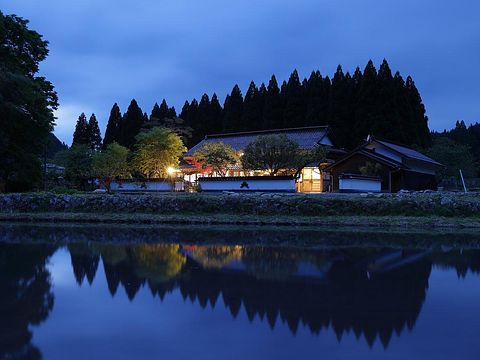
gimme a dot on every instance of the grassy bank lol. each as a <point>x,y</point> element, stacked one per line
<point>400,222</point>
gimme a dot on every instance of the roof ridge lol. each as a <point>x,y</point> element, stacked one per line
<point>408,148</point>
<point>381,156</point>
<point>367,153</point>
<point>394,143</point>
<point>266,131</point>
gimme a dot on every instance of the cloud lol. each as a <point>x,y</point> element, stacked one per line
<point>67,115</point>
<point>115,50</point>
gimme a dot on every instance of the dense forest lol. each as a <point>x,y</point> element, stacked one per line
<point>367,102</point>
<point>54,145</point>
<point>462,134</point>
<point>458,148</point>
<point>27,103</point>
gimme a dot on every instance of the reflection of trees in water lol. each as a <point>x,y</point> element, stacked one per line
<point>346,301</point>
<point>342,296</point>
<point>84,262</point>
<point>461,261</point>
<point>157,263</point>
<point>130,265</point>
<point>372,293</point>
<point>26,298</point>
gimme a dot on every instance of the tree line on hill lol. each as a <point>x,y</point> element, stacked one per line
<point>368,102</point>
<point>461,134</point>
<point>458,149</point>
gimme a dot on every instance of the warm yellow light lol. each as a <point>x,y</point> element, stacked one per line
<point>170,170</point>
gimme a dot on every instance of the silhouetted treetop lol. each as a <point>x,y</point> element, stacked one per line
<point>367,102</point>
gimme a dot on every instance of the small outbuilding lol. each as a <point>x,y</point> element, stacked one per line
<point>380,165</point>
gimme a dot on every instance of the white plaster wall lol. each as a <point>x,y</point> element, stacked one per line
<point>137,186</point>
<point>360,185</point>
<point>253,185</point>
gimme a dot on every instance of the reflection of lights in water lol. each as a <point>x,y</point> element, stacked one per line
<point>215,256</point>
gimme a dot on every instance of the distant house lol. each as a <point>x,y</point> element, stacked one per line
<point>55,169</point>
<point>380,165</point>
<point>311,179</point>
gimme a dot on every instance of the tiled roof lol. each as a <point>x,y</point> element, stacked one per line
<point>407,152</point>
<point>306,137</point>
<point>370,154</point>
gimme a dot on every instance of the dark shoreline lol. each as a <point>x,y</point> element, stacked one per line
<point>368,222</point>
<point>315,237</point>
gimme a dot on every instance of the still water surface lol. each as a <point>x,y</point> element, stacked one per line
<point>150,300</point>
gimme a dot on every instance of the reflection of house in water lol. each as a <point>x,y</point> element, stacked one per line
<point>345,290</point>
<point>370,292</point>
<point>345,299</point>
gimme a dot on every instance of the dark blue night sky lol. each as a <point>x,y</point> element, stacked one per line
<point>109,51</point>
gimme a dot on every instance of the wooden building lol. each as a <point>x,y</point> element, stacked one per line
<point>311,179</point>
<point>393,166</point>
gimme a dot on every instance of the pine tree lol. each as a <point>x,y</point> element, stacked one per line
<point>215,123</point>
<point>184,114</point>
<point>162,112</point>
<point>188,115</point>
<point>232,111</point>
<point>171,113</point>
<point>316,94</point>
<point>95,138</point>
<point>113,126</point>
<point>201,126</point>
<point>294,111</point>
<point>340,110</point>
<point>252,108</point>
<point>163,109</point>
<point>419,122</point>
<point>460,133</point>
<point>366,118</point>
<point>81,134</point>
<point>407,133</point>
<point>273,110</point>
<point>155,115</point>
<point>192,111</point>
<point>131,125</point>
<point>262,98</point>
<point>390,124</point>
<point>353,106</point>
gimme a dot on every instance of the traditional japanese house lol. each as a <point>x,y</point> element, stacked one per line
<point>380,165</point>
<point>311,179</point>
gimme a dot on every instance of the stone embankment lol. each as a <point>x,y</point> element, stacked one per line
<point>401,204</point>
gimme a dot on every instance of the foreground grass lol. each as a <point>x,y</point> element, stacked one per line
<point>424,222</point>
